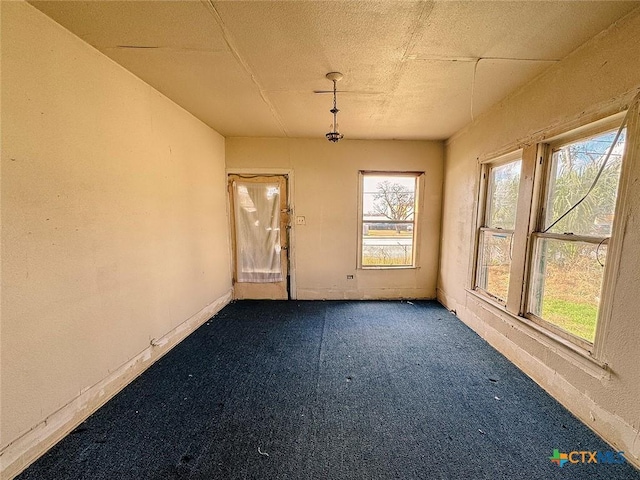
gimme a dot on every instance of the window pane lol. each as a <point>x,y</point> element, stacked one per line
<point>387,244</point>
<point>502,197</point>
<point>388,206</point>
<point>388,197</point>
<point>567,280</point>
<point>495,262</point>
<point>573,170</point>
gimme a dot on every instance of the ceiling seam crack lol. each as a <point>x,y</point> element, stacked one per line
<point>226,35</point>
<point>162,48</point>
<point>425,12</point>
<point>475,71</point>
<point>473,84</point>
<point>436,58</point>
<point>476,61</point>
<point>427,8</point>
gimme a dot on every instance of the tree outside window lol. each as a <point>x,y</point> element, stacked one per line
<point>388,220</point>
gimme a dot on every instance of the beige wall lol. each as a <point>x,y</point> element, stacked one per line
<point>114,226</point>
<point>325,192</point>
<point>596,80</point>
<point>114,219</point>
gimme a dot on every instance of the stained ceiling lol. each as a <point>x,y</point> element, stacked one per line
<point>412,69</point>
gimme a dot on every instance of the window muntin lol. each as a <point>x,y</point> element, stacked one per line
<point>389,211</point>
<point>569,251</point>
<point>496,233</point>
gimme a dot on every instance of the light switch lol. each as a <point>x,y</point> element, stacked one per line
<point>301,220</point>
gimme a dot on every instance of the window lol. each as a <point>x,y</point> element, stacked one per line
<point>570,246</point>
<point>502,181</point>
<point>544,225</point>
<point>388,219</point>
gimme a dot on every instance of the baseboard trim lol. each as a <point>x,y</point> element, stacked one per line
<point>611,428</point>
<point>365,294</point>
<point>23,451</point>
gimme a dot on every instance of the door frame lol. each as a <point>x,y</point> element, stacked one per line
<point>288,173</point>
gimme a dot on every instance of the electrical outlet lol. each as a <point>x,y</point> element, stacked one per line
<point>301,220</point>
<point>349,277</point>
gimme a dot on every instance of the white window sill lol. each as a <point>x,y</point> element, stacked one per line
<point>386,267</point>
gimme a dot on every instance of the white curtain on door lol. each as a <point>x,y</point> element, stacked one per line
<point>257,220</point>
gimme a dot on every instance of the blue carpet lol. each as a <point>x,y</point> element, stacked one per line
<point>329,390</point>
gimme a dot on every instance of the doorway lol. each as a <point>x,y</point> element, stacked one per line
<point>260,227</point>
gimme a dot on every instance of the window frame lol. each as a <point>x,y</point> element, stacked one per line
<point>418,197</point>
<point>536,163</point>
<point>483,212</point>
<point>537,233</point>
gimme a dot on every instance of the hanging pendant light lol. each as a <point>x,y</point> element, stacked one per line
<point>334,135</point>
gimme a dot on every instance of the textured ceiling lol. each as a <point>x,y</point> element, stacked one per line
<point>412,70</point>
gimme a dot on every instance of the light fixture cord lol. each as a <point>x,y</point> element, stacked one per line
<point>335,108</point>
